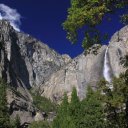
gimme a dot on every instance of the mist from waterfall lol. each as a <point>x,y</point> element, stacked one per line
<point>106,69</point>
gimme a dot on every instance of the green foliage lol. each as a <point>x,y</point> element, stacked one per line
<point>92,111</point>
<point>115,102</point>
<point>80,114</point>
<point>4,116</point>
<point>89,40</point>
<point>62,120</point>
<point>74,107</point>
<point>15,123</point>
<point>74,97</point>
<point>87,14</point>
<point>40,124</point>
<point>124,19</point>
<point>43,104</point>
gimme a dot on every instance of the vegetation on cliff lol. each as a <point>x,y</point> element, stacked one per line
<point>5,121</point>
<point>40,124</point>
<point>42,103</point>
<point>4,113</point>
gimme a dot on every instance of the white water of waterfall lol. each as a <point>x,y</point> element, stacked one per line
<point>107,69</point>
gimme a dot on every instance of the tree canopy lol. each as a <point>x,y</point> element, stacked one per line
<point>87,113</point>
<point>87,14</point>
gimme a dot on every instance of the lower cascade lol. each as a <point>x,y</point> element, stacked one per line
<point>106,69</point>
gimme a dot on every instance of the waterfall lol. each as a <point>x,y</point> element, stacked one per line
<point>107,68</point>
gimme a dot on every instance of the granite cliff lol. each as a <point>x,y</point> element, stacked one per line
<point>28,63</point>
<point>25,63</point>
<point>88,69</point>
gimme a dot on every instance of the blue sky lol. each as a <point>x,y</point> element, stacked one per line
<point>43,18</point>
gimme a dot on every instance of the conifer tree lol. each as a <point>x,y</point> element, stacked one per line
<point>63,120</point>
<point>74,107</point>
<point>4,115</point>
<point>92,111</point>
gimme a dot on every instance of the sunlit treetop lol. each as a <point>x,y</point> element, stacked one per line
<point>89,14</point>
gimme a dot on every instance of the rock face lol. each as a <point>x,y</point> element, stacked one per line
<point>28,63</point>
<point>32,60</point>
<point>118,47</point>
<point>80,72</point>
<point>24,63</point>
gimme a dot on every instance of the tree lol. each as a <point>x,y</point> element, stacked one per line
<point>18,121</point>
<point>85,15</point>
<point>39,124</point>
<point>115,102</point>
<point>4,113</point>
<point>63,120</point>
<point>15,123</point>
<point>92,111</point>
<point>88,113</point>
<point>68,113</point>
<point>42,103</point>
<point>74,107</point>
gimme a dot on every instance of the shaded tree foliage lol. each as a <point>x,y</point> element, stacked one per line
<point>40,124</point>
<point>4,113</point>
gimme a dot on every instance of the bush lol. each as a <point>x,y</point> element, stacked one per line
<point>43,104</point>
<point>40,124</point>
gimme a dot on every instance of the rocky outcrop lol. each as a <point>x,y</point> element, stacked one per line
<point>118,48</point>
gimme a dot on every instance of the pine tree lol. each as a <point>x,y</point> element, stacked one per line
<point>63,120</point>
<point>17,122</point>
<point>74,107</point>
<point>4,115</point>
<point>92,111</point>
<point>39,124</point>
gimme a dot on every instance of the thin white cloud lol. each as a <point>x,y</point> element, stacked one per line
<point>11,15</point>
